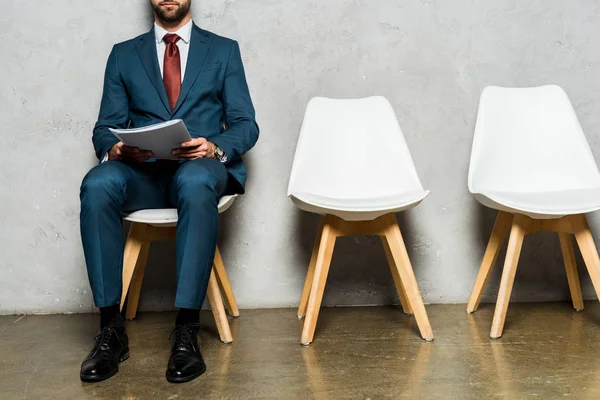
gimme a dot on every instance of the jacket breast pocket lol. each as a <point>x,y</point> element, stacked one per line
<point>210,67</point>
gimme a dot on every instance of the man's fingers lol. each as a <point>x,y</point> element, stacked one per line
<point>190,150</point>
<point>182,151</point>
<point>193,156</point>
<point>139,153</point>
<point>134,150</point>
<point>193,143</point>
<point>196,156</point>
<point>115,151</point>
<point>189,156</point>
<point>137,157</point>
<point>145,156</point>
<point>129,149</point>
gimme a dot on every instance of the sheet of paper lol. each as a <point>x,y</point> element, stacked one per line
<point>160,138</point>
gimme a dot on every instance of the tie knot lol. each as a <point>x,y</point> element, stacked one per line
<point>170,38</point>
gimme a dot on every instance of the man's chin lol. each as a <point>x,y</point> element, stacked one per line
<point>169,17</point>
<point>169,12</point>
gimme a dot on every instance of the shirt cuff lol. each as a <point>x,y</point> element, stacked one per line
<point>104,159</point>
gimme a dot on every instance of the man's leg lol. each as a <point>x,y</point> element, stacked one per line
<point>107,190</point>
<point>195,188</point>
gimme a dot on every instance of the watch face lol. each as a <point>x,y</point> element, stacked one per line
<point>220,155</point>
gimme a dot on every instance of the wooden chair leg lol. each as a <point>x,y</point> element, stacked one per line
<point>397,280</point>
<point>393,236</point>
<point>225,285</point>
<point>133,247</point>
<point>218,310</point>
<point>515,243</point>
<point>135,288</point>
<point>310,274</point>
<point>322,264</point>
<point>566,247</point>
<point>585,240</point>
<point>501,227</point>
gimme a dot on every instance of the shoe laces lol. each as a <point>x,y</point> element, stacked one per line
<point>182,336</point>
<point>104,337</point>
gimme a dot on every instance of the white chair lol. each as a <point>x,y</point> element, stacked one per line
<point>148,226</point>
<point>531,162</point>
<point>352,166</point>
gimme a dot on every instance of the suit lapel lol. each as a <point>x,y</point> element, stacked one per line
<point>146,48</point>
<point>199,44</point>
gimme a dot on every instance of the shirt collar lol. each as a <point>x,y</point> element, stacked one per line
<point>185,32</point>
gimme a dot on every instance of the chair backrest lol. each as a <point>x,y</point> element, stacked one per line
<point>352,148</point>
<point>529,140</point>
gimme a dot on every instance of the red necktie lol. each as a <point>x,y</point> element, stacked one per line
<point>172,69</point>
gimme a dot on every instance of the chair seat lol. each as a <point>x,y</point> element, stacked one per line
<point>358,209</point>
<point>168,216</point>
<point>543,205</point>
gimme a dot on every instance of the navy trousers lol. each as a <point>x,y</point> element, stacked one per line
<point>114,187</point>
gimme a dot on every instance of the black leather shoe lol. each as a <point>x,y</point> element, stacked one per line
<point>185,363</point>
<point>110,348</point>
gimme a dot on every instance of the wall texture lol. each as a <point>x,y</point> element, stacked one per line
<point>430,58</point>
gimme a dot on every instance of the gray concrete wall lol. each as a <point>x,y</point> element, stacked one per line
<point>431,59</point>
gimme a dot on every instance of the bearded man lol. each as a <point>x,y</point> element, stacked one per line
<point>175,71</point>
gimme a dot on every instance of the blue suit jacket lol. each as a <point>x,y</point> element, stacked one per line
<point>214,102</point>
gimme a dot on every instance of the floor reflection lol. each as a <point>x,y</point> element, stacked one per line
<point>397,362</point>
<point>541,355</point>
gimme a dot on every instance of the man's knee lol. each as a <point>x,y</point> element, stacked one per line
<point>102,181</point>
<point>197,178</point>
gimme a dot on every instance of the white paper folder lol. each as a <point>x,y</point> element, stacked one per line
<point>159,138</point>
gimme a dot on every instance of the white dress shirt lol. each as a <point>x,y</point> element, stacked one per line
<point>185,33</point>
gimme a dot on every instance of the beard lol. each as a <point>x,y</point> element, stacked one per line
<point>171,16</point>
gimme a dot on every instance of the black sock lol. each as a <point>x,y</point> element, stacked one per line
<point>110,315</point>
<point>188,316</point>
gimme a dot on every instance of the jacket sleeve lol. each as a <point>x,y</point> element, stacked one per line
<point>114,107</point>
<point>239,116</point>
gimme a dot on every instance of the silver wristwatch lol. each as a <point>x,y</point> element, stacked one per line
<point>220,154</point>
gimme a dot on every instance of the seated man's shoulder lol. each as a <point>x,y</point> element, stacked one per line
<point>131,43</point>
<point>217,39</point>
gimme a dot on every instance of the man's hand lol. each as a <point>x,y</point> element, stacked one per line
<point>195,148</point>
<point>127,153</point>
